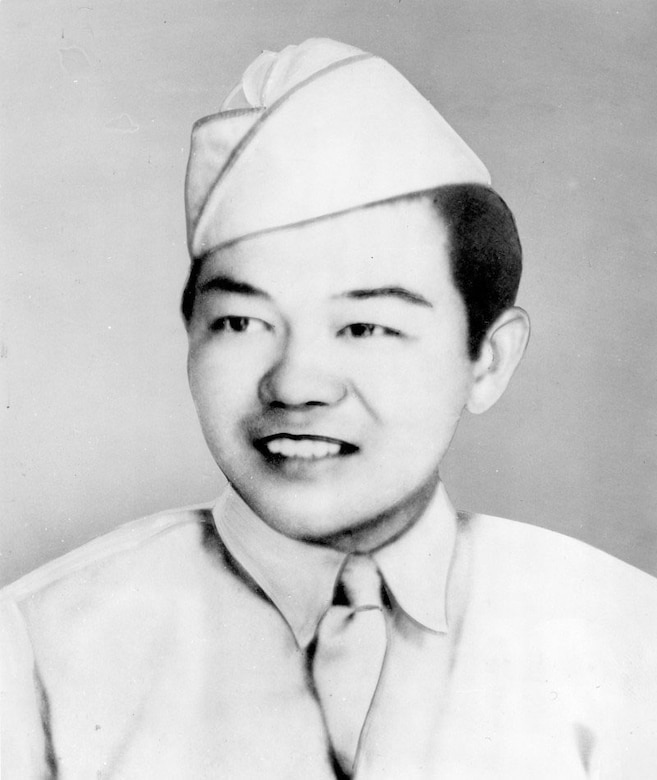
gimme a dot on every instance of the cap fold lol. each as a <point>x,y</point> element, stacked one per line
<point>337,129</point>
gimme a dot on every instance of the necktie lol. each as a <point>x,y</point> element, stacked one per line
<point>351,645</point>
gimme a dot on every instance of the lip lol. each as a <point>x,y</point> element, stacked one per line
<point>346,448</point>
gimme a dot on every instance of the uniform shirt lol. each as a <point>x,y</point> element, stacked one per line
<point>175,647</point>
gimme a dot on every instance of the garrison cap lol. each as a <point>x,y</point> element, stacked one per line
<point>315,130</point>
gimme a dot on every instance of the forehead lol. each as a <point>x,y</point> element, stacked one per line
<point>404,242</point>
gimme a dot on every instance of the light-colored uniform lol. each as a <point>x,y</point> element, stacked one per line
<point>174,647</point>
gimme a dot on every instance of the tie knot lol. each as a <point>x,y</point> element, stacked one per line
<point>360,583</point>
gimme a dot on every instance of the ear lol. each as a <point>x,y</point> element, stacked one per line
<point>501,352</point>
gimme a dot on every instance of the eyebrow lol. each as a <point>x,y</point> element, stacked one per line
<point>401,293</point>
<point>229,285</point>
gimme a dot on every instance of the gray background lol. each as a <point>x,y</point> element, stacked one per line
<point>559,99</point>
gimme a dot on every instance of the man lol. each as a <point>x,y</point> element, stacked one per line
<point>351,292</point>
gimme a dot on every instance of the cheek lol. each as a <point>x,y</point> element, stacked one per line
<point>426,421</point>
<point>220,386</point>
<point>426,387</point>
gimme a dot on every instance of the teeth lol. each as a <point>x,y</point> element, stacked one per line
<point>302,448</point>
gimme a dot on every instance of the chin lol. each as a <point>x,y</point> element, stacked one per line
<point>325,517</point>
<point>312,520</point>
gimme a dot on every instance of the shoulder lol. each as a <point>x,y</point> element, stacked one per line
<point>143,558</point>
<point>565,594</point>
<point>564,626</point>
<point>509,551</point>
<point>124,600</point>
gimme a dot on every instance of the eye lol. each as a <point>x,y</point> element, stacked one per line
<point>236,324</point>
<point>366,330</point>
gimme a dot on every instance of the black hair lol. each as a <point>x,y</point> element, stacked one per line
<point>189,293</point>
<point>484,252</point>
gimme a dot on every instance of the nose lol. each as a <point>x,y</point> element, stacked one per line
<point>302,377</point>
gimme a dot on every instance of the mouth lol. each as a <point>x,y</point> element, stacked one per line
<point>282,446</point>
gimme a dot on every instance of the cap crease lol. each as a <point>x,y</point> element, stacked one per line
<point>243,143</point>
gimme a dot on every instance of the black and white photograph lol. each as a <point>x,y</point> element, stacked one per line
<point>328,383</point>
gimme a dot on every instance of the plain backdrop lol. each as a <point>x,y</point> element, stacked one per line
<point>97,101</point>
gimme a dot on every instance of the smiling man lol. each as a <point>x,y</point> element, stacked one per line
<point>351,293</point>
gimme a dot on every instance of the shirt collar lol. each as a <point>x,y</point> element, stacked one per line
<point>299,577</point>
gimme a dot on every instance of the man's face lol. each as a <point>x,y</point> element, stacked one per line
<point>329,368</point>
